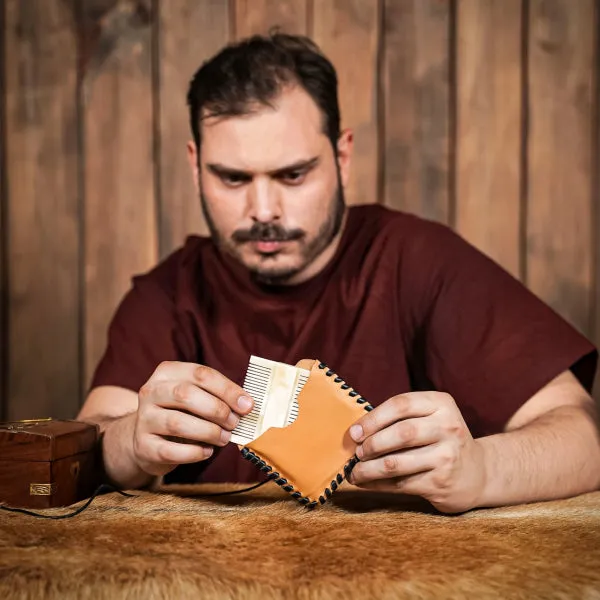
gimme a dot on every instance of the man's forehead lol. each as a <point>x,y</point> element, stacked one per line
<point>268,137</point>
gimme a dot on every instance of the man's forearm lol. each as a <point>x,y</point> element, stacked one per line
<point>555,456</point>
<point>117,452</point>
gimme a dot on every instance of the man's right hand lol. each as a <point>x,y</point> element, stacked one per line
<point>187,402</point>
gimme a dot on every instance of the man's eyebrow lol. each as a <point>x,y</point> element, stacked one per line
<point>219,169</point>
<point>299,165</point>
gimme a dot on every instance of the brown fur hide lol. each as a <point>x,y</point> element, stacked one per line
<point>263,545</point>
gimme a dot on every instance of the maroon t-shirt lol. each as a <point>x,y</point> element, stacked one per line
<point>405,304</point>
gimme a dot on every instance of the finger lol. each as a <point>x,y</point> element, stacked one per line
<point>396,464</point>
<point>416,485</point>
<point>160,451</point>
<point>185,396</point>
<point>404,406</point>
<point>181,425</point>
<point>410,433</point>
<point>208,379</point>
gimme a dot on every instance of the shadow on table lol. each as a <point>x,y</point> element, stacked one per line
<point>347,500</point>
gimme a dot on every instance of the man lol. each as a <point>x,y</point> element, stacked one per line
<point>481,391</point>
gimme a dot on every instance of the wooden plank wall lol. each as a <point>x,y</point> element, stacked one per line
<point>482,114</point>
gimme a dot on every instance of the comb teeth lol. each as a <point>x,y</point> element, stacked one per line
<point>268,382</point>
<point>302,379</point>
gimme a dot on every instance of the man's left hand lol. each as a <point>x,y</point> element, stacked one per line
<point>418,443</point>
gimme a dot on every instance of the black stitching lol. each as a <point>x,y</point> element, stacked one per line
<point>322,499</point>
<point>340,478</point>
<point>361,400</point>
<point>334,485</point>
<point>338,380</point>
<point>322,365</point>
<point>345,386</point>
<point>288,488</point>
<point>353,393</point>
<point>330,373</point>
<point>296,495</point>
<point>328,492</point>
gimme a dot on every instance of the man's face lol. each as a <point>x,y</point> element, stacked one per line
<point>271,188</point>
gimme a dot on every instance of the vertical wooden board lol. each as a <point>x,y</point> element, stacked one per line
<point>488,157</point>
<point>201,27</point>
<point>596,194</point>
<point>3,228</point>
<point>348,32</point>
<point>415,77</point>
<point>42,211</point>
<point>559,221</point>
<point>258,16</point>
<point>120,213</point>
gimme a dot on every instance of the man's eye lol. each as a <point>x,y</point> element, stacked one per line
<point>293,177</point>
<point>233,179</point>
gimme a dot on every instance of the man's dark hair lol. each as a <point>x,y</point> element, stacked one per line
<point>253,72</point>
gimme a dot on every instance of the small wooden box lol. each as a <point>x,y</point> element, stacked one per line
<point>46,463</point>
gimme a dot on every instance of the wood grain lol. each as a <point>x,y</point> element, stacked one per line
<point>488,159</point>
<point>42,208</point>
<point>415,77</point>
<point>348,32</point>
<point>181,52</point>
<point>559,224</point>
<point>3,231</point>
<point>258,16</point>
<point>120,213</point>
<point>596,195</point>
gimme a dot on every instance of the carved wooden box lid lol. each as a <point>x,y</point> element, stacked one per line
<point>45,439</point>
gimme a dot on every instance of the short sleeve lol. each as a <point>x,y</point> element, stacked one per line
<point>482,335</point>
<point>142,334</point>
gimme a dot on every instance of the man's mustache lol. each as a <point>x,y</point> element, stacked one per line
<point>266,232</point>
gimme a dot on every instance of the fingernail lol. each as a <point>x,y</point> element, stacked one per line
<point>356,432</point>
<point>208,451</point>
<point>245,403</point>
<point>232,420</point>
<point>225,436</point>
<point>360,452</point>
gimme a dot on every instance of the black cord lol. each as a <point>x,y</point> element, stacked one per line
<point>105,487</point>
<point>235,491</point>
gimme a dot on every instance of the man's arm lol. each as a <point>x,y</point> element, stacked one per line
<point>113,410</point>
<point>418,443</point>
<point>179,416</point>
<point>550,449</point>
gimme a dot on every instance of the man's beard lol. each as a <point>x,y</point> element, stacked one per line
<point>273,232</point>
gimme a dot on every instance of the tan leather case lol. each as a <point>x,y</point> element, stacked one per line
<point>313,455</point>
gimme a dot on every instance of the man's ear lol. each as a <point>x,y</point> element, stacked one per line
<point>344,154</point>
<point>193,159</point>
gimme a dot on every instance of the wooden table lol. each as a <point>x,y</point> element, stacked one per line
<point>263,545</point>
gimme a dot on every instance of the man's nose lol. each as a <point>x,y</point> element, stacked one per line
<point>264,201</point>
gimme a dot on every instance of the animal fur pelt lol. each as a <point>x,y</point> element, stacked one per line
<point>263,545</point>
